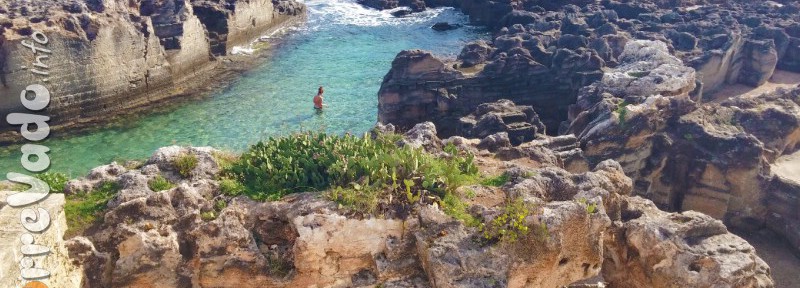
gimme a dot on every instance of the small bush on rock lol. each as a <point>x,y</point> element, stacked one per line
<point>315,162</point>
<point>185,164</point>
<point>360,173</point>
<point>83,209</point>
<point>159,183</point>
<point>510,224</point>
<point>56,181</point>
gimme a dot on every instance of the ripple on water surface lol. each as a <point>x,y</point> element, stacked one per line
<point>343,46</point>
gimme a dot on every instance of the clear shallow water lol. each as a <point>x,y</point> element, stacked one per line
<point>344,47</point>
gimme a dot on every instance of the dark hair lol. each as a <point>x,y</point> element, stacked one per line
<point>320,90</point>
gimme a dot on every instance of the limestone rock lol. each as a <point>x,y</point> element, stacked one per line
<point>652,248</point>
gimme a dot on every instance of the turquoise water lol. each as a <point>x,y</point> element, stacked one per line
<point>343,47</point>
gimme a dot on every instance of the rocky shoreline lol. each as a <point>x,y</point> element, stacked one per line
<point>586,224</point>
<point>110,58</point>
<point>653,65</point>
<point>599,154</point>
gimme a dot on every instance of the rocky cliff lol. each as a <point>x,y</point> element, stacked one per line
<point>631,80</point>
<point>584,224</point>
<point>106,57</point>
<point>543,52</point>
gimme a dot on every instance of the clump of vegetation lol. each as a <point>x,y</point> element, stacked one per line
<point>84,209</point>
<point>496,181</point>
<point>688,137</point>
<point>224,159</point>
<point>591,207</point>
<point>159,183</point>
<point>208,215</point>
<point>622,112</point>
<point>56,181</point>
<point>219,205</point>
<point>231,187</point>
<point>510,225</point>
<point>456,208</point>
<point>185,163</point>
<point>378,167</point>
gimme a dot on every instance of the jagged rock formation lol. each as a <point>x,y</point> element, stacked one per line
<point>108,57</point>
<point>689,244</point>
<point>521,123</point>
<point>543,52</point>
<point>645,106</point>
<point>159,238</point>
<point>714,158</point>
<point>62,272</point>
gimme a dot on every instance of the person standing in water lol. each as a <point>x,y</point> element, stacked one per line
<point>318,99</point>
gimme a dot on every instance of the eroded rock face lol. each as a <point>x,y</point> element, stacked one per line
<point>113,56</point>
<point>62,271</point>
<point>648,247</point>
<point>544,52</point>
<point>520,123</point>
<point>194,235</point>
<point>713,158</point>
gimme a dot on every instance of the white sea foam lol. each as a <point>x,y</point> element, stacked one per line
<point>240,50</point>
<point>348,12</point>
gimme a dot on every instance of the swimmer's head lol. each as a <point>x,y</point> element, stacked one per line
<point>320,90</point>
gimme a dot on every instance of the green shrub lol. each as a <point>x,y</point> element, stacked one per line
<point>231,187</point>
<point>159,183</point>
<point>509,225</point>
<point>316,162</point>
<point>496,181</point>
<point>220,204</point>
<point>456,208</point>
<point>83,209</point>
<point>56,181</point>
<point>186,163</point>
<point>622,112</point>
<point>360,198</point>
<point>591,208</point>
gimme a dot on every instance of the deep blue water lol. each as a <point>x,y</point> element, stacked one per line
<point>344,47</point>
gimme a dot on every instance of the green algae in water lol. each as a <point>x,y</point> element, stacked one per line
<point>343,46</point>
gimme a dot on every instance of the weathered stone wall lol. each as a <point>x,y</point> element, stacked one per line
<point>112,57</point>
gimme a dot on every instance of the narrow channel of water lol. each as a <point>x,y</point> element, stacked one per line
<point>344,47</point>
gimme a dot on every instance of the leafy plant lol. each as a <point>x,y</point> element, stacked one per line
<point>591,207</point>
<point>456,208</point>
<point>231,187</point>
<point>185,163</point>
<point>56,181</point>
<point>509,225</point>
<point>159,183</point>
<point>220,204</point>
<point>315,162</point>
<point>83,209</point>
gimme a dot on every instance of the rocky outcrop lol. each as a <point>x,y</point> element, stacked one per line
<point>690,249</point>
<point>55,262</point>
<point>109,57</point>
<point>712,158</point>
<point>520,123</point>
<point>544,52</point>
<point>193,234</point>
